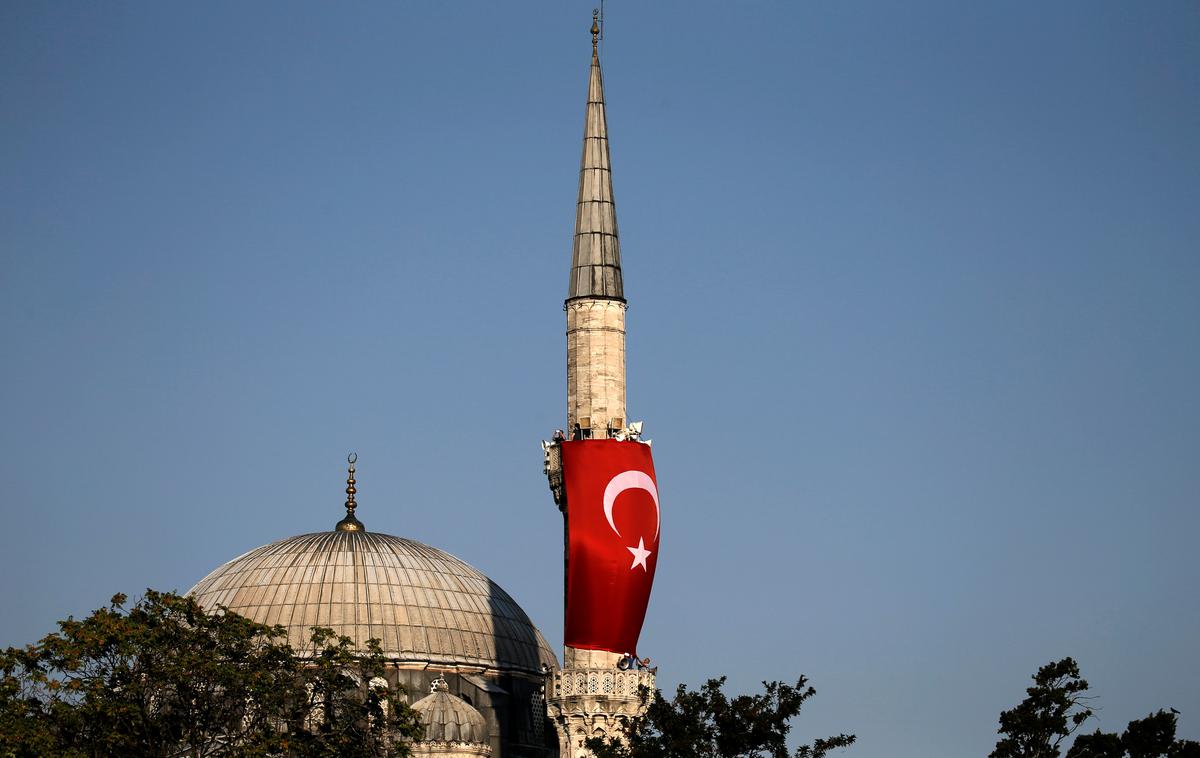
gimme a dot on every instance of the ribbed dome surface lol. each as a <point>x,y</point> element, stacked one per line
<point>422,604</point>
<point>450,719</point>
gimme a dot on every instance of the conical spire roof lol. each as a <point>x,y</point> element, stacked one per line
<point>596,258</point>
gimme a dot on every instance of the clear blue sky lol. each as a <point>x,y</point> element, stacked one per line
<point>914,321</point>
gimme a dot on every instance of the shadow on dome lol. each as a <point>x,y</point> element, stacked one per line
<point>519,710</point>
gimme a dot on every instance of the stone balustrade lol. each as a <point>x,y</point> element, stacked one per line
<point>589,701</point>
<point>602,682</point>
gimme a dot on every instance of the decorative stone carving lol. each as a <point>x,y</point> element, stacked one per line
<point>595,702</point>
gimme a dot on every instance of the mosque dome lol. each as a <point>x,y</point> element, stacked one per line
<point>425,606</point>
<point>422,604</point>
<point>436,619</point>
<point>449,720</point>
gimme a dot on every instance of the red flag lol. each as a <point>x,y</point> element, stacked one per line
<point>613,523</point>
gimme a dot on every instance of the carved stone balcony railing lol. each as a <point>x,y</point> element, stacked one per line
<point>588,702</point>
<point>606,683</point>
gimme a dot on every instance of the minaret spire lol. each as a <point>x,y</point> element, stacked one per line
<point>595,303</point>
<point>596,258</point>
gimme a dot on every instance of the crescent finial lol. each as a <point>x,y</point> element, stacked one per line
<point>350,523</point>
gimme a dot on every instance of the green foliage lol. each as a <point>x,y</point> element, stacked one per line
<point>1055,707</point>
<point>343,713</point>
<point>167,678</point>
<point>706,723</point>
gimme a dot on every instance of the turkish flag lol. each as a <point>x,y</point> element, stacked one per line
<point>613,523</point>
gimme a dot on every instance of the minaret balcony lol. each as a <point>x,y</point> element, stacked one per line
<point>606,683</point>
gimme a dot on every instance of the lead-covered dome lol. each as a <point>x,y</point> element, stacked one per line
<point>446,718</point>
<point>422,604</point>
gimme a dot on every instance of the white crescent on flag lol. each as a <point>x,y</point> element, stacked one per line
<point>630,480</point>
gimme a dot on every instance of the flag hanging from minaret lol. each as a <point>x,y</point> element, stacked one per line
<point>613,526</point>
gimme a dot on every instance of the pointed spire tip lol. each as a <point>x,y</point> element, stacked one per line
<point>596,252</point>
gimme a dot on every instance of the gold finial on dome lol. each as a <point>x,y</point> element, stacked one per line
<point>350,523</point>
<point>595,26</point>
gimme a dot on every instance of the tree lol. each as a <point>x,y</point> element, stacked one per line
<point>167,678</point>
<point>348,711</point>
<point>1149,737</point>
<point>706,723</point>
<point>1056,706</point>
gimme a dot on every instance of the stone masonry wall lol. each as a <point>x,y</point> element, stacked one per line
<point>595,363</point>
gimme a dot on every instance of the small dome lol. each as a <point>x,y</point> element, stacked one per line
<point>448,718</point>
<point>423,605</point>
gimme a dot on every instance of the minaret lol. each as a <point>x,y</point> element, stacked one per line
<point>597,693</point>
<point>595,303</point>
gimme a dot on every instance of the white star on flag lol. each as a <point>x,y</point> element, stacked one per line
<point>640,554</point>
